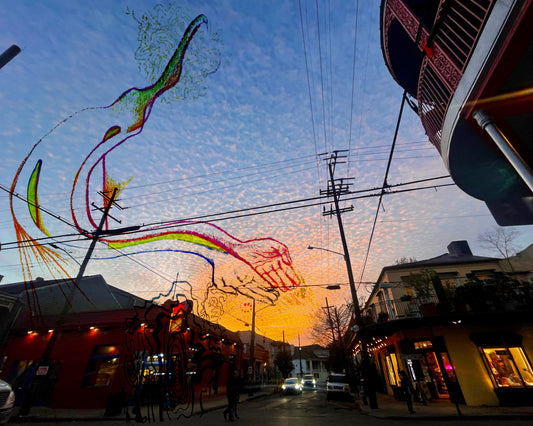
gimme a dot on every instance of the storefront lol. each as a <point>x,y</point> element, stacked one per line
<point>429,365</point>
<point>507,365</point>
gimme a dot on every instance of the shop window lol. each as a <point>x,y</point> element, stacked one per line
<point>392,369</point>
<point>508,366</point>
<point>423,344</point>
<point>101,367</point>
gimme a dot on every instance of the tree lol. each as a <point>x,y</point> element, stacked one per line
<point>331,325</point>
<point>500,240</point>
<point>422,283</point>
<point>404,260</point>
<point>283,361</point>
<point>337,360</point>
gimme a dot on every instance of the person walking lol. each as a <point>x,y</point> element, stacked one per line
<point>407,390</point>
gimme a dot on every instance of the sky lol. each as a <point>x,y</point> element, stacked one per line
<point>214,120</point>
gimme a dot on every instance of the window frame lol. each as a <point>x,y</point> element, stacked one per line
<point>496,381</point>
<point>94,365</point>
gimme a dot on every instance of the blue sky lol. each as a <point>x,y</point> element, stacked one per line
<point>259,98</point>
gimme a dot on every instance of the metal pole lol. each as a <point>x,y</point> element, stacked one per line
<point>487,123</point>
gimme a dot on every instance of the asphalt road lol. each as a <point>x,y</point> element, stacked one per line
<point>307,409</point>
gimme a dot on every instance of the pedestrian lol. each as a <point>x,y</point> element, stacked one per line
<point>407,390</point>
<point>232,393</point>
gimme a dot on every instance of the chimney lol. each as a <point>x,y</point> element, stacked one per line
<point>459,248</point>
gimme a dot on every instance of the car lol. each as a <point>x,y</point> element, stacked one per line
<point>337,386</point>
<point>308,381</point>
<point>7,401</point>
<point>291,385</point>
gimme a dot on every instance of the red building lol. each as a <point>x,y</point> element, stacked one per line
<point>148,357</point>
<point>467,63</point>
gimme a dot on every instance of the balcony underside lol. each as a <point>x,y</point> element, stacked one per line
<point>499,81</point>
<point>490,318</point>
<point>462,56</point>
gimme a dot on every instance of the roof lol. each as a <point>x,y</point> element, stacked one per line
<point>49,297</point>
<point>312,352</point>
<point>458,253</point>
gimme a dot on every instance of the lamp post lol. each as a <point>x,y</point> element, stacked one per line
<point>309,247</point>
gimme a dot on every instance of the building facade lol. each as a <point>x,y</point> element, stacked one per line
<point>460,327</point>
<point>142,358</point>
<point>311,359</point>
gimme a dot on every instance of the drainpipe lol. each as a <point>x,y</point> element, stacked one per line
<point>486,122</point>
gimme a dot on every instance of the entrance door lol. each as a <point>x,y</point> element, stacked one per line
<point>435,372</point>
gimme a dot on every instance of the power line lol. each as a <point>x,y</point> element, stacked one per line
<point>384,186</point>
<point>274,208</point>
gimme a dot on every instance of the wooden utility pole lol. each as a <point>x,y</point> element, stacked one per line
<point>252,342</point>
<point>330,321</point>
<point>46,360</point>
<point>335,189</point>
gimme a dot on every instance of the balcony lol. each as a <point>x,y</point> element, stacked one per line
<point>497,296</point>
<point>444,39</point>
<point>458,58</point>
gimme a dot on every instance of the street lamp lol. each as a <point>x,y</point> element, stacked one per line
<point>309,247</point>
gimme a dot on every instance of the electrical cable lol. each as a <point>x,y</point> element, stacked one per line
<point>384,187</point>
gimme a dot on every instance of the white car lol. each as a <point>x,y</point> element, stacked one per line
<point>7,400</point>
<point>337,386</point>
<point>291,385</point>
<point>309,381</point>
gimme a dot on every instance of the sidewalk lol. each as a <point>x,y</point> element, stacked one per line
<point>44,414</point>
<point>390,408</point>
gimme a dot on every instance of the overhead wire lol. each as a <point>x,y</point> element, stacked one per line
<point>384,188</point>
<point>252,211</point>
<point>353,79</point>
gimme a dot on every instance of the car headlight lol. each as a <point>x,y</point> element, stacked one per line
<point>283,387</point>
<point>11,398</point>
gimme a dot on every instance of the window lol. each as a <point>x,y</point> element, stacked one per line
<point>392,362</point>
<point>423,345</point>
<point>101,367</point>
<point>508,366</point>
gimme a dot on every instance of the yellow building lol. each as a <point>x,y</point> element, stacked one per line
<point>459,326</point>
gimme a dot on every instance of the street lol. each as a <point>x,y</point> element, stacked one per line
<point>307,409</point>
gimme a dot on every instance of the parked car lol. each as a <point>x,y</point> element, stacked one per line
<point>308,381</point>
<point>7,400</point>
<point>291,385</point>
<point>337,386</point>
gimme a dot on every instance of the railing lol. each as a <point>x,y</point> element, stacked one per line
<point>499,295</point>
<point>448,47</point>
<point>399,309</point>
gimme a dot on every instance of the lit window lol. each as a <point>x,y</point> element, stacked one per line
<point>101,367</point>
<point>392,370</point>
<point>509,367</point>
<point>423,345</point>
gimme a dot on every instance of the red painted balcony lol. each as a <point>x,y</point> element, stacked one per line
<point>457,58</point>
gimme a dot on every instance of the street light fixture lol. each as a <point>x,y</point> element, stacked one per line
<point>309,247</point>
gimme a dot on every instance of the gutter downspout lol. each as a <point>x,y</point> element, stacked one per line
<point>487,123</point>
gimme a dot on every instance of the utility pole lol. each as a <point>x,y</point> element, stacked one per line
<point>300,351</point>
<point>330,321</point>
<point>336,189</point>
<point>45,360</point>
<point>338,324</point>
<point>252,343</point>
